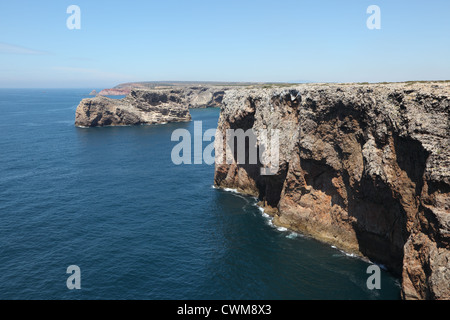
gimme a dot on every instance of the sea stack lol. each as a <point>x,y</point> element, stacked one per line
<point>363,167</point>
<point>137,108</point>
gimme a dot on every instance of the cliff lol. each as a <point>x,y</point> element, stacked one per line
<point>139,107</point>
<point>202,96</point>
<point>363,167</point>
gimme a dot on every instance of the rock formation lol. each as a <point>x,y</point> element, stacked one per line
<point>363,167</point>
<point>203,97</point>
<point>192,96</point>
<point>139,107</point>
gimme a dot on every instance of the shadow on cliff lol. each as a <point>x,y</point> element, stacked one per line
<point>380,209</point>
<point>268,188</point>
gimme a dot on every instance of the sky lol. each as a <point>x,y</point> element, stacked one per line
<point>215,40</point>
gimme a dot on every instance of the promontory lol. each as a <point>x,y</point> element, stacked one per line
<point>137,108</point>
<point>363,167</point>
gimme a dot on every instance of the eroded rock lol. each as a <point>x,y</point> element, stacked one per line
<point>139,107</point>
<point>362,167</point>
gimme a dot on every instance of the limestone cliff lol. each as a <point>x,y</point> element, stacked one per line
<point>362,167</point>
<point>203,97</point>
<point>139,107</point>
<point>200,96</point>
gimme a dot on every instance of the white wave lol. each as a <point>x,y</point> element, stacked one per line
<point>269,219</point>
<point>351,255</point>
<point>236,193</point>
<point>225,189</point>
<point>263,213</point>
<point>230,190</point>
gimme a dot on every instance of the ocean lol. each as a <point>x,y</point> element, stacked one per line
<point>111,201</point>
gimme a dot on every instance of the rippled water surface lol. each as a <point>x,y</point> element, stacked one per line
<point>111,201</point>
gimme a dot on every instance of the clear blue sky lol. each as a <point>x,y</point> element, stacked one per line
<point>215,40</point>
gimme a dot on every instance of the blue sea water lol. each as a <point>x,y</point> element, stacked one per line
<point>111,201</point>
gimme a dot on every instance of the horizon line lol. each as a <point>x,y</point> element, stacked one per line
<point>236,82</point>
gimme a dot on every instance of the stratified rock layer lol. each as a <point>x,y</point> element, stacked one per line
<point>203,97</point>
<point>362,167</point>
<point>139,107</point>
<point>193,96</point>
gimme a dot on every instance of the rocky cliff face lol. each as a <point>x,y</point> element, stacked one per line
<point>362,167</point>
<point>203,97</point>
<point>139,107</point>
<point>192,96</point>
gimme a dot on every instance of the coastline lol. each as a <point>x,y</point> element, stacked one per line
<point>293,233</point>
<point>363,167</point>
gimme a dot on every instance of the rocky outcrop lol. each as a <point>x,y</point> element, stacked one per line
<point>363,167</point>
<point>203,97</point>
<point>139,107</point>
<point>192,96</point>
<point>146,106</point>
<point>93,93</point>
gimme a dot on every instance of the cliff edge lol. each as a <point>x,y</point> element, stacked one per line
<point>363,167</point>
<point>194,96</point>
